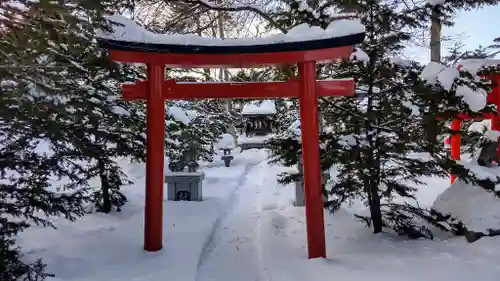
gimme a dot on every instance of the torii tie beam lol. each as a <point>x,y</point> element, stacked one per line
<point>155,90</point>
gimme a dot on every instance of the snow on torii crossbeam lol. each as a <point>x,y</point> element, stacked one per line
<point>132,43</point>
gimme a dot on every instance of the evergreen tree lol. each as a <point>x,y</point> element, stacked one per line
<point>43,44</point>
<point>377,139</point>
<point>104,127</point>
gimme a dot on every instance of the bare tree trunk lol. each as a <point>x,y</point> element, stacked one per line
<point>206,71</point>
<point>223,74</point>
<point>435,43</point>
<point>435,46</point>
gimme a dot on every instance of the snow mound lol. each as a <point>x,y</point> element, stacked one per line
<point>478,209</point>
<point>226,142</point>
<point>129,31</point>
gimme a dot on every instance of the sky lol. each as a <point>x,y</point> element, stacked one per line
<point>474,28</point>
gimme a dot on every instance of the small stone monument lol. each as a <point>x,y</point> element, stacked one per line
<point>184,182</point>
<point>299,185</point>
<point>489,154</point>
<point>226,144</point>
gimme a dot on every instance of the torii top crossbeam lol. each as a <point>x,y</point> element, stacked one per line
<point>132,43</point>
<point>303,45</point>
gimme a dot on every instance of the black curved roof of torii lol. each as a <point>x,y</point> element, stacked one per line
<point>335,42</point>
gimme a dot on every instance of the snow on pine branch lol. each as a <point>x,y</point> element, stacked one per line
<point>437,74</point>
<point>360,55</point>
<point>213,5</point>
<point>181,115</point>
<point>324,13</point>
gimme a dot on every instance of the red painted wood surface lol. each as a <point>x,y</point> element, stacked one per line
<point>173,90</point>
<point>310,155</point>
<point>155,130</point>
<point>456,125</point>
<point>231,60</point>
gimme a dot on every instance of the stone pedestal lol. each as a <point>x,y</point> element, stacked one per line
<point>299,189</point>
<point>184,186</point>
<point>227,160</point>
<point>488,154</point>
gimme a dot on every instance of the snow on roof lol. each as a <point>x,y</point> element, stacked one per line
<point>259,108</point>
<point>129,31</point>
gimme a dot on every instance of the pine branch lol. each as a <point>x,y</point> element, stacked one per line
<point>343,109</point>
<point>242,8</point>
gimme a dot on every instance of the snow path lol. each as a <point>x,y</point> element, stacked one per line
<point>109,246</point>
<point>235,249</point>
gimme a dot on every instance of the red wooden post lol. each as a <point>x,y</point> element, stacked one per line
<point>456,125</point>
<point>153,213</point>
<point>310,153</point>
<point>495,120</point>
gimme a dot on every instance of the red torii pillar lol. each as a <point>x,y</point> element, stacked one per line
<point>155,90</point>
<point>456,123</point>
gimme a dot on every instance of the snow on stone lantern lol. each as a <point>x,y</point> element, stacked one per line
<point>184,182</point>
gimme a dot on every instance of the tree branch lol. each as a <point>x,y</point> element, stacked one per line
<point>264,15</point>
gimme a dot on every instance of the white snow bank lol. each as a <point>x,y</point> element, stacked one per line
<point>259,108</point>
<point>355,253</point>
<point>478,209</point>
<point>482,173</point>
<point>252,233</point>
<point>436,73</point>
<point>130,31</point>
<point>109,246</point>
<point>226,142</point>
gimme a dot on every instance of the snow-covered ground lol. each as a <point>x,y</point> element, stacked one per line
<point>247,229</point>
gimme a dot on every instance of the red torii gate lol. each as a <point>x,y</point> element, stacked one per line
<point>456,123</point>
<point>155,90</point>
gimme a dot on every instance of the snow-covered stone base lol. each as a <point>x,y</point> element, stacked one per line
<point>478,209</point>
